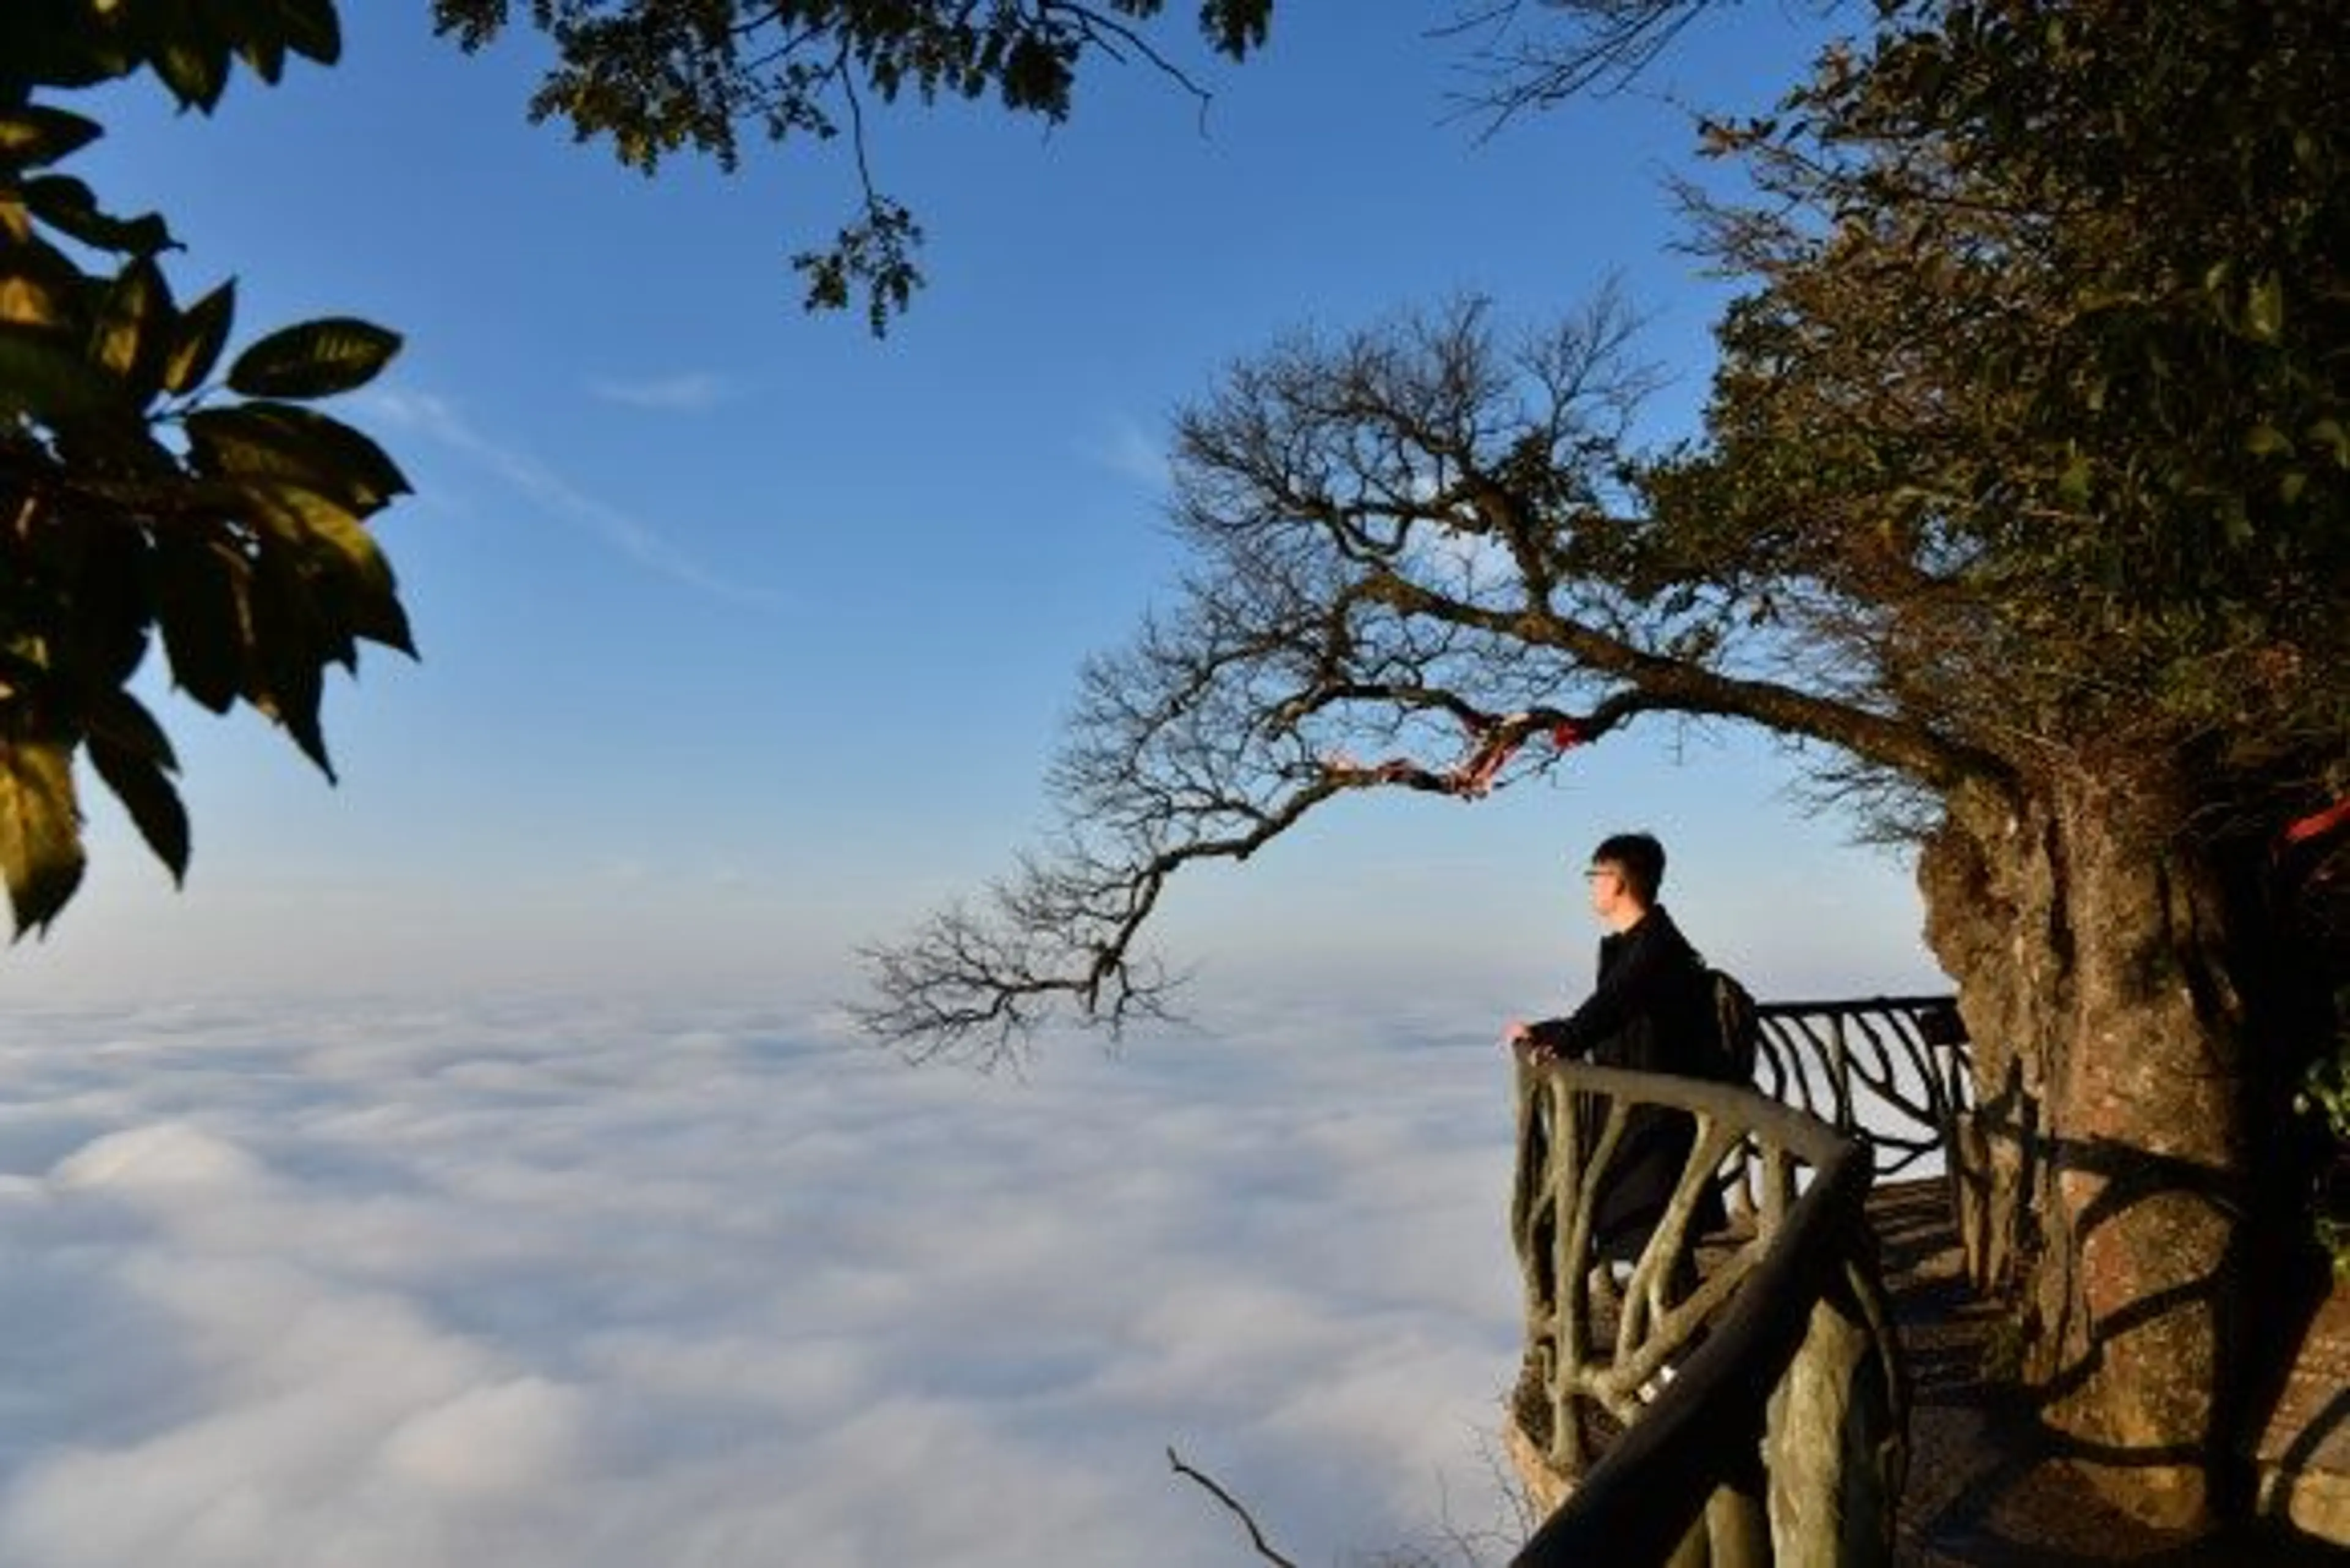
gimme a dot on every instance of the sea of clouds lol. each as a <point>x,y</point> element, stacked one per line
<point>555,1285</point>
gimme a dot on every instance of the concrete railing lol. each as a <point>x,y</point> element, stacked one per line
<point>1759,1419</point>
<point>1898,1071</point>
<point>1895,1069</point>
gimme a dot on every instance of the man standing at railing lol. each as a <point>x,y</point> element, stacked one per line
<point>1653,1011</point>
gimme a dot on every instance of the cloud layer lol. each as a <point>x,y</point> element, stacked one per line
<point>545,1286</point>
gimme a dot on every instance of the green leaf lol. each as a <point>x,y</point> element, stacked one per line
<point>192,59</point>
<point>281,441</point>
<point>123,722</point>
<point>2329,433</point>
<point>101,635</point>
<point>314,360</point>
<point>2235,520</point>
<point>255,32</point>
<point>312,29</point>
<point>357,590</point>
<point>126,341</point>
<point>355,593</point>
<point>198,339</point>
<point>199,589</point>
<point>40,826</point>
<point>2073,484</point>
<point>47,380</point>
<point>39,286</point>
<point>147,792</point>
<point>299,517</point>
<point>266,55</point>
<point>52,43</point>
<point>67,205</point>
<point>33,135</point>
<point>1236,25</point>
<point>2264,439</point>
<point>2264,309</point>
<point>291,650</point>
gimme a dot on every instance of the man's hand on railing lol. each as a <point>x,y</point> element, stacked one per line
<point>1519,1037</point>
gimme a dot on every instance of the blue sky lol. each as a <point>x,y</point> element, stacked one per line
<point>746,639</point>
<point>471,1162</point>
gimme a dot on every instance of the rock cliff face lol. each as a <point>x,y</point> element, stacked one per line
<point>1544,1488</point>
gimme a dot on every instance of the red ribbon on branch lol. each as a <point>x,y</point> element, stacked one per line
<point>2317,823</point>
<point>1497,742</point>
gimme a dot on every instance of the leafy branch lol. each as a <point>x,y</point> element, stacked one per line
<point>657,77</point>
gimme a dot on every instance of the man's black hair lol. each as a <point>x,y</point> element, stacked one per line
<point>1640,858</point>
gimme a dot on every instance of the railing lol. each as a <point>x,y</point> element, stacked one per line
<point>1780,1436</point>
<point>1895,1069</point>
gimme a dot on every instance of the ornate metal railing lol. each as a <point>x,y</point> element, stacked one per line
<point>1780,1432</point>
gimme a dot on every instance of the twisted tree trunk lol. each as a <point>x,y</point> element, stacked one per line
<point>2121,988</point>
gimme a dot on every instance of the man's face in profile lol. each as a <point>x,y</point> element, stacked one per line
<point>1609,895</point>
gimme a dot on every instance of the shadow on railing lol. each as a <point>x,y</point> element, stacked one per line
<point>1751,1412</point>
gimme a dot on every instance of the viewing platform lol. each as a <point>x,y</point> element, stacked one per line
<point>1982,1490</point>
<point>1836,1388</point>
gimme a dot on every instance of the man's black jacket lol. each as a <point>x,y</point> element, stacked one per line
<point>1651,1011</point>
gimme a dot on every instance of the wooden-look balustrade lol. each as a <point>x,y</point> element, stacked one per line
<point>1894,1069</point>
<point>1759,1418</point>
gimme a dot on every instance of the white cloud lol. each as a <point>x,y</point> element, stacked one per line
<point>588,1289</point>
<point>639,541</point>
<point>1135,454</point>
<point>685,392</point>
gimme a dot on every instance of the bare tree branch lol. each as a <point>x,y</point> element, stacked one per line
<point>1597,48</point>
<point>1206,1483</point>
<point>1421,561</point>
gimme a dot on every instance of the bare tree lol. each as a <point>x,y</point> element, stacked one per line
<point>2023,495</point>
<point>1421,565</point>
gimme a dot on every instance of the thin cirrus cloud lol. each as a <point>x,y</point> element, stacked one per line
<point>1133,452</point>
<point>436,417</point>
<point>597,1287</point>
<point>686,392</point>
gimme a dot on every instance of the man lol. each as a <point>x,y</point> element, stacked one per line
<point>1651,1011</point>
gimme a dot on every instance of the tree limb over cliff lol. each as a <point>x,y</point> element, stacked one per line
<point>1421,561</point>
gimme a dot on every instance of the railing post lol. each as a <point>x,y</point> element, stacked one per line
<point>1840,1074</point>
<point>1834,1449</point>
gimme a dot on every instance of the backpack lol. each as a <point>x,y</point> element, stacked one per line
<point>1741,1027</point>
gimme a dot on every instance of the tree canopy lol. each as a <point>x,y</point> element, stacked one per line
<point>2051,391</point>
<point>2025,454</point>
<point>656,77</point>
<point>149,491</point>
